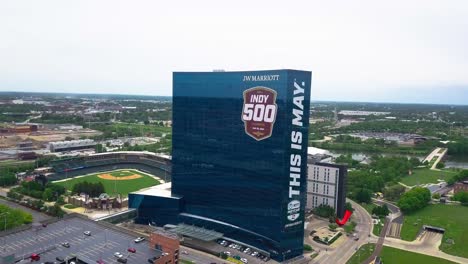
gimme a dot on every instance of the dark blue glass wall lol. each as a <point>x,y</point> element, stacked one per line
<point>225,174</point>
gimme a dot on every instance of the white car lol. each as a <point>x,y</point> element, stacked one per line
<point>139,239</point>
<point>118,255</point>
<point>87,233</point>
<point>244,260</point>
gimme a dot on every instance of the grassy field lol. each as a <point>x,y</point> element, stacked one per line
<point>453,218</point>
<point>125,181</point>
<point>396,256</point>
<point>422,176</point>
<point>362,254</point>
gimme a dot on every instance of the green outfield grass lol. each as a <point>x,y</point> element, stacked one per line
<point>453,218</point>
<point>422,176</point>
<point>122,186</point>
<point>397,256</point>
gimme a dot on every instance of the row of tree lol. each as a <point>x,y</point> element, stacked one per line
<point>48,192</point>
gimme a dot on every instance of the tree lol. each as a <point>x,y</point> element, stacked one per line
<point>440,165</point>
<point>48,195</point>
<point>349,207</point>
<point>394,192</point>
<point>324,211</point>
<point>414,162</point>
<point>436,196</point>
<point>414,199</point>
<point>364,196</point>
<point>333,226</point>
<point>381,211</point>
<point>99,148</point>
<point>462,197</point>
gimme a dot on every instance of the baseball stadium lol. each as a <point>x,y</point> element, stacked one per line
<point>120,172</point>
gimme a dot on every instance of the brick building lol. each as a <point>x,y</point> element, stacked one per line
<point>168,244</point>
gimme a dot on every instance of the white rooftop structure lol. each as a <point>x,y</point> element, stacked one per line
<point>162,190</point>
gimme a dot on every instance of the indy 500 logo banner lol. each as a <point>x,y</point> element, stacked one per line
<point>259,112</point>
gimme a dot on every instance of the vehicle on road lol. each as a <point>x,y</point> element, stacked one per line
<point>59,258</point>
<point>244,260</point>
<point>131,250</point>
<point>87,233</point>
<point>139,239</point>
<point>66,244</point>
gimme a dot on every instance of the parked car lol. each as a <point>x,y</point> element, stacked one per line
<point>131,250</point>
<point>122,260</point>
<point>87,233</point>
<point>118,255</point>
<point>35,257</point>
<point>66,244</point>
<point>100,262</point>
<point>244,260</point>
<point>139,239</point>
<point>59,258</point>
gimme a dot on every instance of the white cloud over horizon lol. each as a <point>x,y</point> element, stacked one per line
<point>399,51</point>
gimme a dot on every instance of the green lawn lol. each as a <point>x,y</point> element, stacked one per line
<point>397,256</point>
<point>362,254</point>
<point>122,186</point>
<point>453,218</point>
<point>422,176</point>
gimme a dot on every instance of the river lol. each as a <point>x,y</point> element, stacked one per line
<point>450,162</point>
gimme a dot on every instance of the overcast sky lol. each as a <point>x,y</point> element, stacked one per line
<point>386,51</point>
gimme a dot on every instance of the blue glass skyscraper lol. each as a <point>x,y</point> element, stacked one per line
<point>240,155</point>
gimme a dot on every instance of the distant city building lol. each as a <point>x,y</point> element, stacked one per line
<point>60,146</point>
<point>70,127</point>
<point>460,187</point>
<point>326,186</point>
<point>25,145</point>
<point>167,244</point>
<point>361,113</point>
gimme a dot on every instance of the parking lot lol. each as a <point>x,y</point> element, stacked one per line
<point>101,244</point>
<point>241,252</point>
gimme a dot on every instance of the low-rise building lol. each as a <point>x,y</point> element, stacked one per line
<point>460,187</point>
<point>168,244</point>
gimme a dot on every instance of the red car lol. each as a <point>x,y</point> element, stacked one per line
<point>100,262</point>
<point>132,250</point>
<point>35,257</point>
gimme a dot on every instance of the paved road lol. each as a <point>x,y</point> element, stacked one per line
<point>37,216</point>
<point>380,242</point>
<point>343,252</point>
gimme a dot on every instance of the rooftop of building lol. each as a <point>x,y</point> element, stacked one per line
<point>161,190</point>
